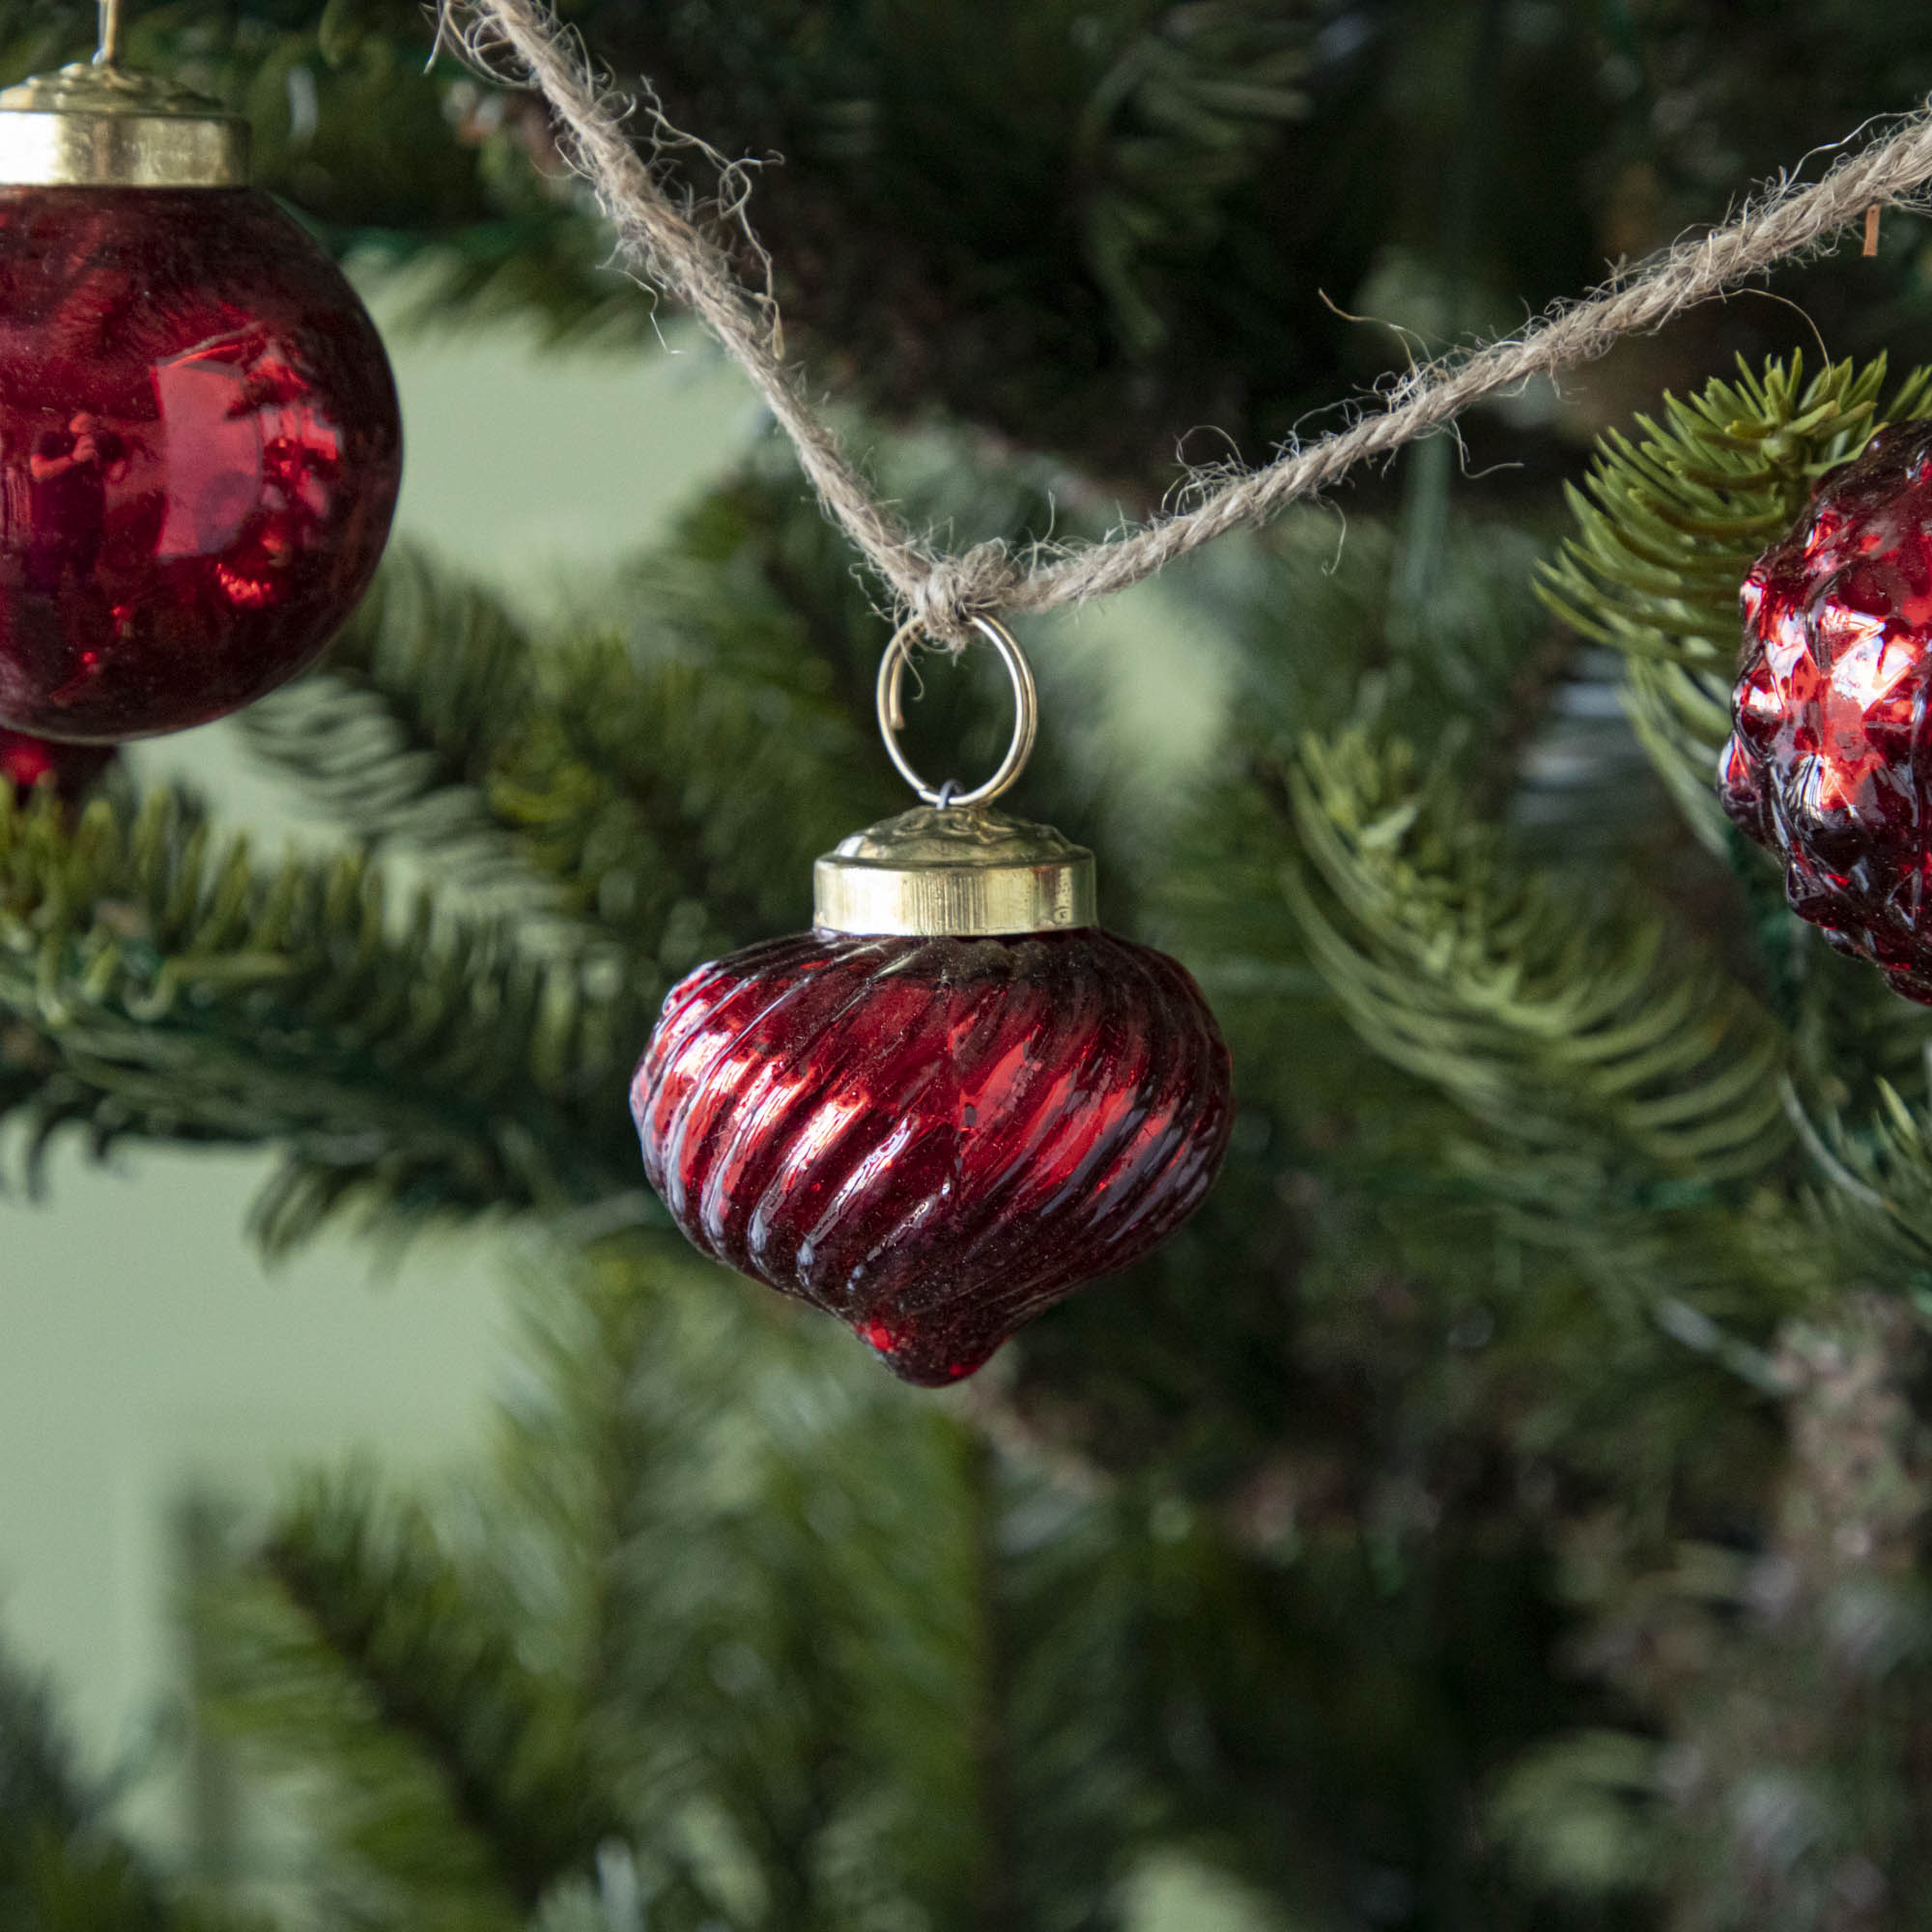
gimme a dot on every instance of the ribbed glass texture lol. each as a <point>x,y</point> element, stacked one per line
<point>933,1139</point>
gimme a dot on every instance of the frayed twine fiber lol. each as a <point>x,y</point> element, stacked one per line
<point>665,245</point>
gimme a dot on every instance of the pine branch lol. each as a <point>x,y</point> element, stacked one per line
<point>1669,523</point>
<point>1191,109</point>
<point>63,1866</point>
<point>1557,1027</point>
<point>397,736</point>
<point>679,812</point>
<point>1790,1678</point>
<point>1874,1184</point>
<point>325,1718</point>
<point>663,793</point>
<point>37,1783</point>
<point>600,1455</point>
<point>1803,1785</point>
<point>986,1733</point>
<point>402,1623</point>
<point>721,1643</point>
<point>161,988</point>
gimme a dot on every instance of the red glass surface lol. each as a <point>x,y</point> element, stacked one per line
<point>200,451</point>
<point>933,1139</point>
<point>24,761</point>
<point>1829,758</point>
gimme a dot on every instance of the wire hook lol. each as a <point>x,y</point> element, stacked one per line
<point>1026,714</point>
<point>109,52</point>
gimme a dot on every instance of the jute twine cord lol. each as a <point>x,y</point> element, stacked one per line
<point>664,245</point>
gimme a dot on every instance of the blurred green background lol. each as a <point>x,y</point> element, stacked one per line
<point>148,1351</point>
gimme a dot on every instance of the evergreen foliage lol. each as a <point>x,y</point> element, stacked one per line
<point>658,1651</point>
<point>161,986</point>
<point>1072,231</point>
<point>1502,1507</point>
<point>1555,1026</point>
<point>63,1866</point>
<point>690,1637</point>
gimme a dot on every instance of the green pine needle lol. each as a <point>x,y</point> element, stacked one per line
<point>64,1866</point>
<point>1561,1027</point>
<point>162,986</point>
<point>401,1621</point>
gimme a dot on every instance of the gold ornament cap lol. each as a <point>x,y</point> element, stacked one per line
<point>97,124</point>
<point>105,126</point>
<point>953,870</point>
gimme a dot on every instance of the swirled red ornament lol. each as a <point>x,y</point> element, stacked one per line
<point>1829,758</point>
<point>933,1139</point>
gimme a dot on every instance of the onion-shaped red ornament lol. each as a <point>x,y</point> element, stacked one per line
<point>1829,758</point>
<point>200,445</point>
<point>945,1108</point>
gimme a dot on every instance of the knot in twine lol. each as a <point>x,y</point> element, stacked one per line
<point>663,245</point>
<point>955,590</point>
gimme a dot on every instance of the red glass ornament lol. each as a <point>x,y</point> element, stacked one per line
<point>24,761</point>
<point>934,1138</point>
<point>1829,759</point>
<point>200,451</point>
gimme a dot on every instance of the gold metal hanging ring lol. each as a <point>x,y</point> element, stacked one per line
<point>1026,713</point>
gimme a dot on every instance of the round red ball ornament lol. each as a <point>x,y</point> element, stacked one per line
<point>948,1106</point>
<point>200,445</point>
<point>1829,758</point>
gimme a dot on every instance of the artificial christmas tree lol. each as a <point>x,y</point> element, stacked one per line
<point>1502,1504</point>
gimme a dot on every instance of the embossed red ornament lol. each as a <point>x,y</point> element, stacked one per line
<point>200,445</point>
<point>934,1137</point>
<point>1829,759</point>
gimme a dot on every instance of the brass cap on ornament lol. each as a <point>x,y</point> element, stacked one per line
<point>98,125</point>
<point>953,870</point>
